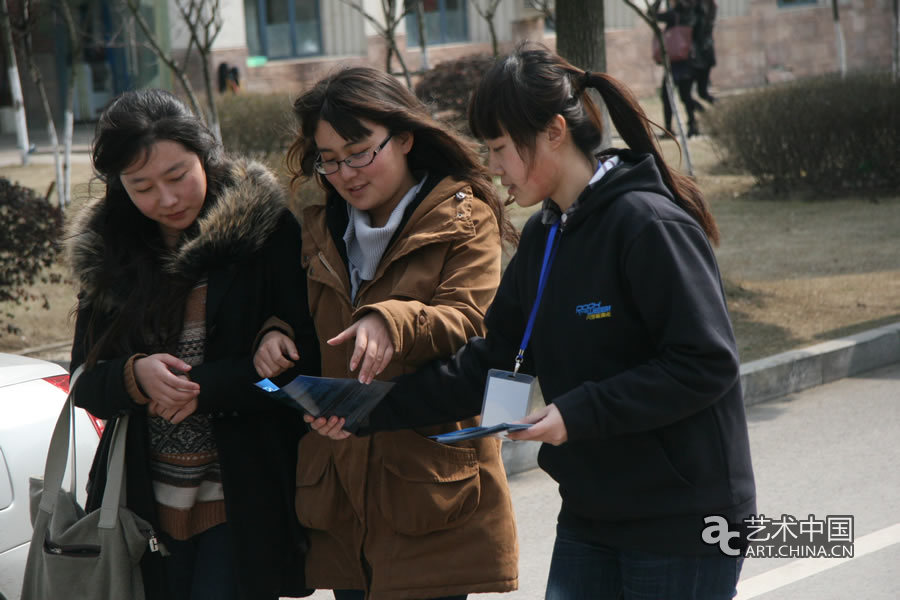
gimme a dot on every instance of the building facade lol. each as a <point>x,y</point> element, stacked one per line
<point>284,45</point>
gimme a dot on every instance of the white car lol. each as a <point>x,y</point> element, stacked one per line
<point>32,393</point>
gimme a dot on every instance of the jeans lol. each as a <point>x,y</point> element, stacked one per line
<point>361,595</point>
<point>584,570</point>
<point>202,567</point>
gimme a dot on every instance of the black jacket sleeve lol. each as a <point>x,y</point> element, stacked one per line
<point>226,382</point>
<point>674,281</point>
<point>101,389</point>
<point>444,391</point>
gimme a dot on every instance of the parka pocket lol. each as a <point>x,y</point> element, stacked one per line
<point>320,502</point>
<point>427,486</point>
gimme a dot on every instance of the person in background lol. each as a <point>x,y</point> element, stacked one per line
<point>179,263</point>
<point>704,55</point>
<point>402,260</point>
<point>683,13</point>
<point>614,301</point>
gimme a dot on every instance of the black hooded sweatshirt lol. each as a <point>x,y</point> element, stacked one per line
<point>634,345</point>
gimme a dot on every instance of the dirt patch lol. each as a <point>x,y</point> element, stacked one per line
<point>796,271</point>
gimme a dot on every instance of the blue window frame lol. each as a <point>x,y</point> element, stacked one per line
<point>445,22</point>
<point>283,28</point>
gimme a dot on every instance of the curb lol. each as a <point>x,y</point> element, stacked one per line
<point>778,375</point>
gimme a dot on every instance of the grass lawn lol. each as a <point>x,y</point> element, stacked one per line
<point>797,270</point>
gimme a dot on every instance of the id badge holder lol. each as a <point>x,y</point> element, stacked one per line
<point>508,397</point>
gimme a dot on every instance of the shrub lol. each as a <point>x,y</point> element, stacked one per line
<point>259,126</point>
<point>824,133</point>
<point>446,88</point>
<point>31,227</point>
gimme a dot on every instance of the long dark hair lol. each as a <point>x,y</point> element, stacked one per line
<point>521,93</point>
<point>143,304</point>
<point>348,96</point>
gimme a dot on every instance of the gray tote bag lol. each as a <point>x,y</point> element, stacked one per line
<point>80,556</point>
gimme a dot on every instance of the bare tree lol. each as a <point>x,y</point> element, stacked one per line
<point>545,7</point>
<point>488,12</point>
<point>648,15</point>
<point>178,69</point>
<point>69,113</point>
<point>25,26</point>
<point>393,12</point>
<point>204,21</point>
<point>420,28</point>
<point>839,38</point>
<point>15,84</point>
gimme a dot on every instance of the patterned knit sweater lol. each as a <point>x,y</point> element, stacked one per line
<point>184,464</point>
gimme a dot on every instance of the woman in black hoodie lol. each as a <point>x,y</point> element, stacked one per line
<point>644,428</point>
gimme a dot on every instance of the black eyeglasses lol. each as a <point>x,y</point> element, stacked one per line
<point>354,161</point>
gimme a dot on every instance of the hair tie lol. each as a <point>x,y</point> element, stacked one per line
<point>584,83</point>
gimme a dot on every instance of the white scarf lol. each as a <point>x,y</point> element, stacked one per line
<point>366,244</point>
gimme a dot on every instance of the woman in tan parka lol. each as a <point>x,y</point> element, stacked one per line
<point>402,261</point>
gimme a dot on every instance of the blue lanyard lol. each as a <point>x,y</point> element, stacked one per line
<point>549,254</point>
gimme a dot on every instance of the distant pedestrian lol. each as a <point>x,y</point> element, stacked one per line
<point>704,53</point>
<point>684,13</point>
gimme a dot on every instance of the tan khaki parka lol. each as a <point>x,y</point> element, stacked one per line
<point>395,513</point>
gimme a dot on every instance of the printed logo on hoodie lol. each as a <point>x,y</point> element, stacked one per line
<point>594,310</point>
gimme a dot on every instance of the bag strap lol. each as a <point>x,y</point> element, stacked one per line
<point>58,451</point>
<point>113,497</point>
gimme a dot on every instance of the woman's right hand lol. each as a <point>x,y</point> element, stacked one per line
<point>274,354</point>
<point>165,380</point>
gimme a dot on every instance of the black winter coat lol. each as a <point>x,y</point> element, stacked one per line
<point>248,244</point>
<point>634,345</point>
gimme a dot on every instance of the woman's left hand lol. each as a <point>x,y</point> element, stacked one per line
<point>548,427</point>
<point>373,345</point>
<point>332,427</point>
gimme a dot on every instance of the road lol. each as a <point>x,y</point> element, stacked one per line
<point>830,450</point>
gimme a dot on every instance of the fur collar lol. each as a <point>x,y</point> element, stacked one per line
<point>234,228</point>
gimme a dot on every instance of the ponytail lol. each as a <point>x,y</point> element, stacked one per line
<point>634,127</point>
<point>521,93</point>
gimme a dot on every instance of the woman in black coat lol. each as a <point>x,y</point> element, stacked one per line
<point>179,263</point>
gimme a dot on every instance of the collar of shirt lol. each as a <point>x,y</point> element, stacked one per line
<point>550,211</point>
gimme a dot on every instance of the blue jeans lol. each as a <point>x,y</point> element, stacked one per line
<point>202,567</point>
<point>584,570</point>
<point>361,595</point>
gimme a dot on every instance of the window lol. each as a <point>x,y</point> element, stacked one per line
<point>445,22</point>
<point>283,28</point>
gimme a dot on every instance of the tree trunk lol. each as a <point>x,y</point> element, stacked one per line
<point>896,36</point>
<point>15,85</point>
<point>69,116</point>
<point>839,39</point>
<point>581,39</point>
<point>213,121</point>
<point>493,31</point>
<point>580,36</point>
<point>38,80</point>
<point>420,27</point>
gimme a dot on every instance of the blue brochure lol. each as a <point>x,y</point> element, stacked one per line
<point>328,396</point>
<point>476,432</point>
